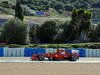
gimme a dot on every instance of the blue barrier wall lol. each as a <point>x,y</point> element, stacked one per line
<point>1,52</point>
<point>11,52</point>
<point>30,51</point>
<point>41,51</point>
<point>50,50</point>
<point>92,52</point>
<point>82,52</point>
<point>27,52</point>
<point>68,50</point>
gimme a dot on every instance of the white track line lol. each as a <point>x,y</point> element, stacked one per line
<point>23,61</point>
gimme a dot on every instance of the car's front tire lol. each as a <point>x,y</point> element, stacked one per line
<point>73,58</point>
<point>41,57</point>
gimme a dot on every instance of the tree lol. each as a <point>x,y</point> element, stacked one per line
<point>33,33</point>
<point>79,25</point>
<point>64,31</point>
<point>96,5</point>
<point>74,26</point>
<point>96,34</point>
<point>19,12</point>
<point>47,31</point>
<point>68,7</point>
<point>68,32</point>
<point>15,32</point>
<point>82,4</point>
<point>59,7</point>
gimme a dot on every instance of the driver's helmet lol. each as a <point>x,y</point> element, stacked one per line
<point>62,52</point>
<point>74,51</point>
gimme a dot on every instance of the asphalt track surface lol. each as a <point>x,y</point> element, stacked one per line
<point>24,66</point>
<point>28,60</point>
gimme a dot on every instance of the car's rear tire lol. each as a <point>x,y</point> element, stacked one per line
<point>73,58</point>
<point>41,57</point>
<point>50,59</point>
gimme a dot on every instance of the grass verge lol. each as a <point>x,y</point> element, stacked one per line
<point>67,46</point>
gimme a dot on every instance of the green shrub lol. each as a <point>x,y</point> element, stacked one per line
<point>47,31</point>
<point>15,32</point>
<point>96,33</point>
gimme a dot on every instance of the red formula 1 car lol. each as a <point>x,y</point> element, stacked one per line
<point>59,55</point>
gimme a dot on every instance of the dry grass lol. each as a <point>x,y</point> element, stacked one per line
<point>34,19</point>
<point>49,69</point>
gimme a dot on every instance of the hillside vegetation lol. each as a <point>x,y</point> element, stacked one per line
<point>61,6</point>
<point>77,27</point>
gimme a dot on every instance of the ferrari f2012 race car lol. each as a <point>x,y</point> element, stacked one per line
<point>58,55</point>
